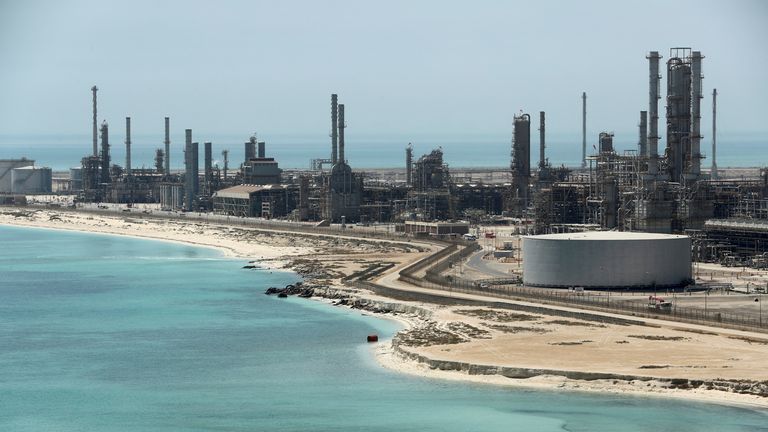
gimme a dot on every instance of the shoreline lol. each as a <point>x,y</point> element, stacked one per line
<point>279,258</point>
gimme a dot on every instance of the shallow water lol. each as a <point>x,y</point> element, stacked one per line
<point>110,333</point>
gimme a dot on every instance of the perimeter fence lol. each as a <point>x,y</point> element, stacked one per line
<point>607,301</point>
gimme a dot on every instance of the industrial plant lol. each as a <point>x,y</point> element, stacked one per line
<point>648,189</point>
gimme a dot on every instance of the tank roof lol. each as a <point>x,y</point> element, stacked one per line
<point>607,235</point>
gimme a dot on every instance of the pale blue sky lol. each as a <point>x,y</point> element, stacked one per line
<point>401,67</point>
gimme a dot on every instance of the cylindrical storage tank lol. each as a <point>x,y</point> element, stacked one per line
<point>31,180</point>
<point>606,259</point>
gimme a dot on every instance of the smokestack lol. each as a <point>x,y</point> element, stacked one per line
<point>542,156</point>
<point>208,167</point>
<point>94,89</point>
<point>127,146</point>
<point>409,164</point>
<point>104,152</point>
<point>190,172</point>
<point>341,127</point>
<point>653,112</point>
<point>262,150</point>
<point>584,129</point>
<point>334,128</point>
<point>643,133</point>
<point>714,174</point>
<point>167,143</point>
<point>696,96</point>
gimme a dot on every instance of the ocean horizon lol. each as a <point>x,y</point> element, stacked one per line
<point>365,151</point>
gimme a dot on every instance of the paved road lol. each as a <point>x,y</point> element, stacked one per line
<point>476,262</point>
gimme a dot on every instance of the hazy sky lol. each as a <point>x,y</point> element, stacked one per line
<point>401,67</point>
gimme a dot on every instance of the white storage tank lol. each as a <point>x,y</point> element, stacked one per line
<point>31,180</point>
<point>606,259</point>
<point>6,166</point>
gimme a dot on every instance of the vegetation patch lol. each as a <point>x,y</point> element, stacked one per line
<point>498,316</point>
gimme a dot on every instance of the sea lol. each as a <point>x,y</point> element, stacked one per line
<point>110,333</point>
<point>61,152</point>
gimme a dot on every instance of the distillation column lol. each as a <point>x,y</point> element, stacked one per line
<point>167,143</point>
<point>696,96</point>
<point>643,134</point>
<point>714,135</point>
<point>94,89</point>
<point>334,128</point>
<point>409,164</point>
<point>128,146</point>
<point>542,155</point>
<point>105,152</point>
<point>341,126</point>
<point>584,129</point>
<point>653,112</point>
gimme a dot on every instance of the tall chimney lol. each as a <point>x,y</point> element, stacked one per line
<point>262,150</point>
<point>94,89</point>
<point>584,129</point>
<point>189,172</point>
<point>696,96</point>
<point>341,127</point>
<point>167,143</point>
<point>127,146</point>
<point>105,152</point>
<point>334,128</point>
<point>653,112</point>
<point>542,155</point>
<point>408,164</point>
<point>643,134</point>
<point>714,174</point>
<point>208,167</point>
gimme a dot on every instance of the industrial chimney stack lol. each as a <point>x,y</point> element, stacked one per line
<point>341,127</point>
<point>584,129</point>
<point>127,146</point>
<point>542,155</point>
<point>167,143</point>
<point>334,128</point>
<point>653,112</point>
<point>94,89</point>
<point>714,174</point>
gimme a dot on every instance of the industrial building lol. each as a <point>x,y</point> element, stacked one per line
<point>607,259</point>
<point>643,189</point>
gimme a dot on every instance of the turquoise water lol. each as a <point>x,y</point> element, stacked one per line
<point>105,333</point>
<point>363,151</point>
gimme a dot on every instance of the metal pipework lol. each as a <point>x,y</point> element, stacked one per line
<point>167,143</point>
<point>696,96</point>
<point>583,129</point>
<point>334,128</point>
<point>643,144</point>
<point>714,174</point>
<point>128,146</point>
<point>94,89</point>
<point>341,127</point>
<point>654,80</point>
<point>542,156</point>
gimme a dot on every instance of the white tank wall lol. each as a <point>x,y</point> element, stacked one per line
<point>30,180</point>
<point>628,260</point>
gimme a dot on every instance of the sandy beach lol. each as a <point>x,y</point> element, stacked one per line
<point>546,348</point>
